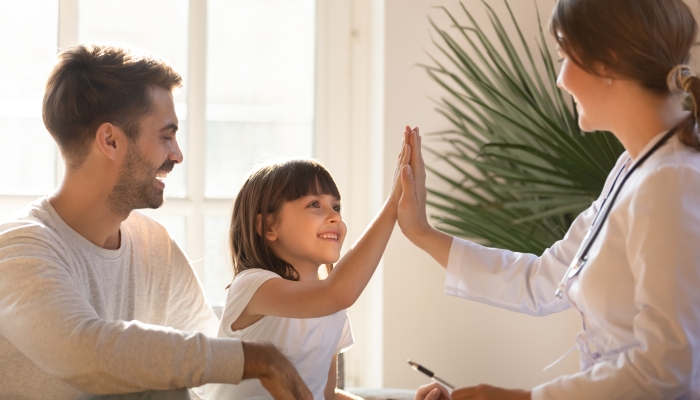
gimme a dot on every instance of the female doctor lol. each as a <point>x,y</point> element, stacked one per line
<point>630,264</point>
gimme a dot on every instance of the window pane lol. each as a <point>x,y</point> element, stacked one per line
<point>218,270</point>
<point>234,148</point>
<point>28,42</point>
<point>260,86</point>
<point>157,26</point>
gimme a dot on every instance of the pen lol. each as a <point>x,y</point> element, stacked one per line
<point>430,374</point>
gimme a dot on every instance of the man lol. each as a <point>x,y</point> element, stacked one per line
<point>95,298</point>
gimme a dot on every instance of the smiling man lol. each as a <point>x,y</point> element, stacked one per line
<point>96,298</point>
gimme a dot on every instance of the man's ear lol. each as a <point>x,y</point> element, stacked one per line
<point>110,139</point>
<point>270,233</point>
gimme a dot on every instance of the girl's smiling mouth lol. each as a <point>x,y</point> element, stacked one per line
<point>329,235</point>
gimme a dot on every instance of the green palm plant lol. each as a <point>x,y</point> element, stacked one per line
<point>522,168</point>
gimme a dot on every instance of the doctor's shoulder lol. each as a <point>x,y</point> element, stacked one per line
<point>675,173</point>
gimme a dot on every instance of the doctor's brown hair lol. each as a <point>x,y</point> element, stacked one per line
<point>94,84</point>
<point>261,197</point>
<point>641,40</point>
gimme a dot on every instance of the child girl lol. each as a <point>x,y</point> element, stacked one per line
<point>286,223</point>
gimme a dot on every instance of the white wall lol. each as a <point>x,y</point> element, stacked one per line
<point>465,342</point>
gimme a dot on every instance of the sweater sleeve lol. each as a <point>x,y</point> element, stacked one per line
<point>520,282</point>
<point>44,314</point>
<point>662,246</point>
<point>514,281</point>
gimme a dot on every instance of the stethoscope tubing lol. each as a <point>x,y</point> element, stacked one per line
<point>575,268</point>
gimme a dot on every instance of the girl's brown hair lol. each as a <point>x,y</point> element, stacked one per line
<point>641,40</point>
<point>262,194</point>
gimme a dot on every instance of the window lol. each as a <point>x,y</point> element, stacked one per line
<point>248,95</point>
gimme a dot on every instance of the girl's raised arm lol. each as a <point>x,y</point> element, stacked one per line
<point>347,280</point>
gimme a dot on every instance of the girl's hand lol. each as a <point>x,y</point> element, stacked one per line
<point>486,392</point>
<point>413,219</point>
<point>403,160</point>
<point>433,391</point>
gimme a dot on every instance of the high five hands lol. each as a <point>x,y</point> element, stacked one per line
<point>412,217</point>
<point>413,221</point>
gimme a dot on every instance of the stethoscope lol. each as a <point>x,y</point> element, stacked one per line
<point>582,257</point>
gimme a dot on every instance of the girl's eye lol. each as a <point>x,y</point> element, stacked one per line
<point>314,204</point>
<point>336,208</point>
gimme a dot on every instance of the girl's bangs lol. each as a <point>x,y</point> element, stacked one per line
<point>308,177</point>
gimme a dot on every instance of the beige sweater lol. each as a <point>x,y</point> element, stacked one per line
<point>76,318</point>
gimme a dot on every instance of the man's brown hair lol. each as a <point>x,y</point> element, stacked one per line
<point>94,84</point>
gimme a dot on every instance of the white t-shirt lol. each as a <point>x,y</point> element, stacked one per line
<point>309,343</point>
<point>638,295</point>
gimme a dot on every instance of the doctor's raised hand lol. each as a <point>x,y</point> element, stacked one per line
<point>412,219</point>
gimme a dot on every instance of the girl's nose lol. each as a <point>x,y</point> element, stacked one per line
<point>334,217</point>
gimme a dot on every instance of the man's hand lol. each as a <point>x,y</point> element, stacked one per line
<point>433,391</point>
<point>277,375</point>
<point>486,392</point>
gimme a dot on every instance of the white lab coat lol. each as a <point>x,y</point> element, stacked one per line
<point>638,295</point>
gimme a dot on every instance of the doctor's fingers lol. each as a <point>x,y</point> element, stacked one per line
<point>417,162</point>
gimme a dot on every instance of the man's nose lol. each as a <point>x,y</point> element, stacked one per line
<point>176,153</point>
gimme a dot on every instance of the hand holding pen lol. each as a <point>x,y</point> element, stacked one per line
<point>441,390</point>
<point>430,374</point>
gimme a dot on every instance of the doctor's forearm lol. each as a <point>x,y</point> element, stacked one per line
<point>434,242</point>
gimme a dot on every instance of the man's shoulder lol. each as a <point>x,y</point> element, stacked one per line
<point>30,221</point>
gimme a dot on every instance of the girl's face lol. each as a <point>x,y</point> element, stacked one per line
<point>590,93</point>
<point>308,232</point>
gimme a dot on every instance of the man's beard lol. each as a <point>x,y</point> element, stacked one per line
<point>134,188</point>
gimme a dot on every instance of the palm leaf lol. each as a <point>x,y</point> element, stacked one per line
<point>521,169</point>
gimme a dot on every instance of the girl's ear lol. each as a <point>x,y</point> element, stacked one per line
<point>270,233</point>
